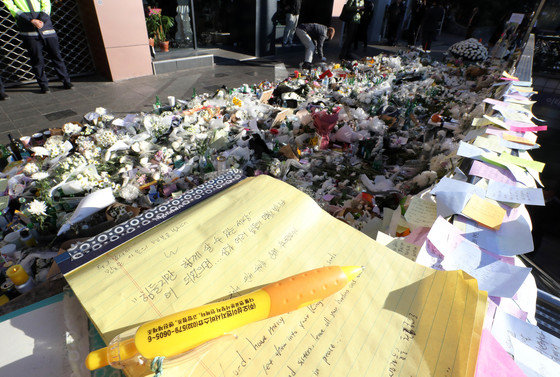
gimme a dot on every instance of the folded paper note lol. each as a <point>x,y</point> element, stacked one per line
<point>513,237</point>
<point>397,318</point>
<point>454,252</point>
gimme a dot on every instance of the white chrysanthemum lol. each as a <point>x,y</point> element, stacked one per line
<point>54,145</point>
<point>37,208</point>
<point>71,128</point>
<point>40,175</point>
<point>129,192</point>
<point>106,138</point>
<point>30,169</point>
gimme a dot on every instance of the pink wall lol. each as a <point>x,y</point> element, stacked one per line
<point>337,7</point>
<point>118,37</point>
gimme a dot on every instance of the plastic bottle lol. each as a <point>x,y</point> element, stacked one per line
<point>14,148</point>
<point>27,239</point>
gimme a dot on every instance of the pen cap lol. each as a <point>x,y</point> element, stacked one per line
<point>303,289</point>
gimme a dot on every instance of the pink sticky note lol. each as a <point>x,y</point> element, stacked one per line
<point>489,171</point>
<point>493,360</point>
<point>523,127</point>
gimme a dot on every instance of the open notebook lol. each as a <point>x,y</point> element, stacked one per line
<point>397,318</point>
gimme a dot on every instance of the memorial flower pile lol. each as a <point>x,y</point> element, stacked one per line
<point>357,138</point>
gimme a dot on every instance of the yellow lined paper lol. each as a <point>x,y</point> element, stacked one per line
<point>397,318</point>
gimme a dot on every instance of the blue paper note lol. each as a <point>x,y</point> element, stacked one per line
<point>513,238</point>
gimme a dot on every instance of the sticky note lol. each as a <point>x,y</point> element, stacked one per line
<point>490,142</point>
<point>508,158</point>
<point>421,212</point>
<point>517,139</point>
<point>480,122</point>
<point>490,171</point>
<point>484,212</point>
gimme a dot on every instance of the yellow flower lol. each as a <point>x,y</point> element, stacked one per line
<point>237,102</point>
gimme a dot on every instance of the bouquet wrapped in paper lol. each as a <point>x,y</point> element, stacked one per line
<point>324,122</point>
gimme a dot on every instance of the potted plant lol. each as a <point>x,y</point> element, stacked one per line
<point>158,27</point>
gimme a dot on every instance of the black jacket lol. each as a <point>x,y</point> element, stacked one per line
<point>292,6</point>
<point>26,28</point>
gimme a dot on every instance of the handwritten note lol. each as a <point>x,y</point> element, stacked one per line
<point>399,245</point>
<point>484,212</point>
<point>511,194</point>
<point>506,327</point>
<point>396,318</point>
<point>421,212</point>
<point>513,237</point>
<point>532,362</point>
<point>453,252</point>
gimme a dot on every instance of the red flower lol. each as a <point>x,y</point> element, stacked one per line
<point>154,11</point>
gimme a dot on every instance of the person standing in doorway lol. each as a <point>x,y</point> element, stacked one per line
<point>313,36</point>
<point>351,27</point>
<point>395,14</point>
<point>432,21</point>
<point>3,95</point>
<point>417,10</point>
<point>292,8</point>
<point>365,19</point>
<point>37,33</point>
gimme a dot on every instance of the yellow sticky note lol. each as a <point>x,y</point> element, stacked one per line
<point>535,165</point>
<point>397,317</point>
<point>497,121</point>
<point>480,122</point>
<point>484,212</point>
<point>517,139</point>
<point>490,142</point>
<point>421,212</point>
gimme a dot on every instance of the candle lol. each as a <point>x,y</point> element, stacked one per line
<point>17,274</point>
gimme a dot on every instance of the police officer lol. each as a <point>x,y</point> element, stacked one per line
<point>37,33</point>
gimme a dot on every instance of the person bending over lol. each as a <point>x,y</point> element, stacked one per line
<point>312,36</point>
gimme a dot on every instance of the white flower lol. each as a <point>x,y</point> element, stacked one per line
<point>30,169</point>
<point>40,175</point>
<point>71,128</point>
<point>106,138</point>
<point>129,192</point>
<point>37,208</point>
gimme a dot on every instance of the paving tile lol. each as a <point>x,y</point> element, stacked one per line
<point>22,115</point>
